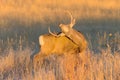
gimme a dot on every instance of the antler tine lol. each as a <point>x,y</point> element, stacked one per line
<point>70,15</point>
<point>51,32</point>
<point>72,19</point>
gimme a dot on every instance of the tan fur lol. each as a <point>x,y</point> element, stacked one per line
<point>55,45</point>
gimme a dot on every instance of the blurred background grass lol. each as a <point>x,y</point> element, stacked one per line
<point>53,11</point>
<point>31,18</point>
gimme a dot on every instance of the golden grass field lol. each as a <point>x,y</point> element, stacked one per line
<point>23,21</point>
<point>100,66</point>
<point>39,10</point>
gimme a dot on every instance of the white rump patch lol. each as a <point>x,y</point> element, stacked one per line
<point>41,41</point>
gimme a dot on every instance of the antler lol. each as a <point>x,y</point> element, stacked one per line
<point>72,19</point>
<point>51,32</point>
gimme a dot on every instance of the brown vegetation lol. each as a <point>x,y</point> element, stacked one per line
<point>102,65</point>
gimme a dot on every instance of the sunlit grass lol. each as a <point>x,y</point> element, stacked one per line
<point>101,65</point>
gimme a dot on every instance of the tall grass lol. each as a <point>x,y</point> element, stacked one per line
<point>103,65</point>
<point>15,65</point>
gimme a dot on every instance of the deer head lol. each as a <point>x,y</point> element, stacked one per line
<point>72,34</point>
<point>66,27</point>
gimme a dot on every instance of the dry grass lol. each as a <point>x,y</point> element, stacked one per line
<point>99,66</point>
<point>102,65</point>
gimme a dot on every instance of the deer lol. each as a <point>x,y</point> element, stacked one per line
<point>68,40</point>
